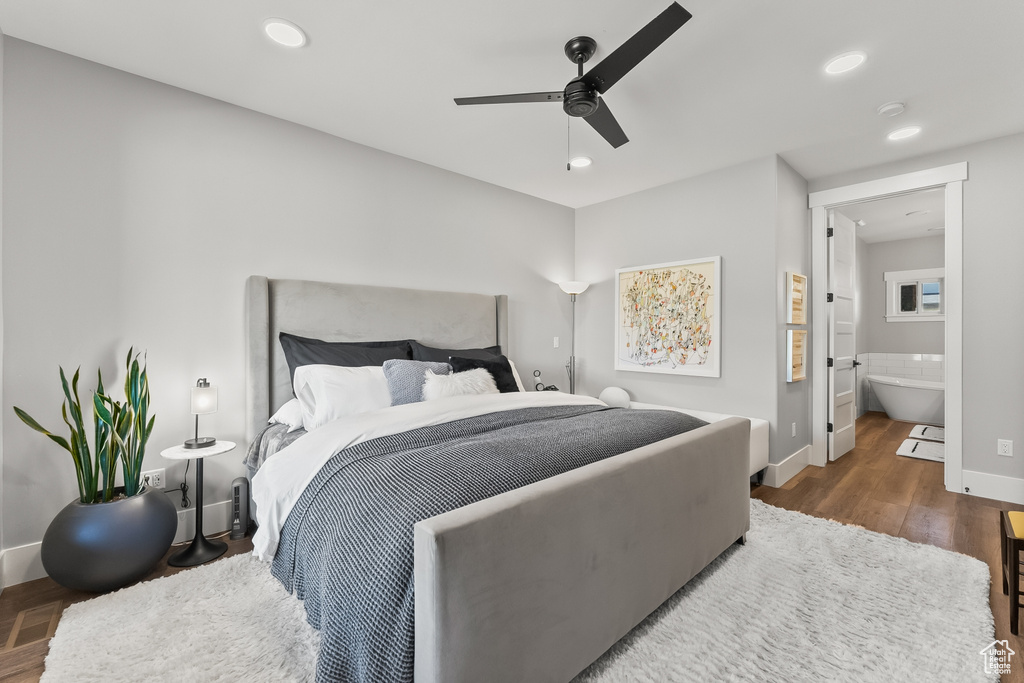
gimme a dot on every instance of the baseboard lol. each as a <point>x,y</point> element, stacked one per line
<point>216,519</point>
<point>994,486</point>
<point>779,473</point>
<point>21,564</point>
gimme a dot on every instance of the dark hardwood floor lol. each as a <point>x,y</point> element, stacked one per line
<point>871,487</point>
<point>874,488</point>
<point>29,613</point>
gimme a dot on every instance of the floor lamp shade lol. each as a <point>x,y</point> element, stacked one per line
<point>203,402</point>
<point>574,286</point>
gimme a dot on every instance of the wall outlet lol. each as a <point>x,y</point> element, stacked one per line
<point>1004,447</point>
<point>556,342</point>
<point>794,429</point>
<point>155,478</point>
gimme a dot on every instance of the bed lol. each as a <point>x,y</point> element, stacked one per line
<point>537,582</point>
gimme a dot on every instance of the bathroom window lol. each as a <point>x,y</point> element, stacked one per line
<point>914,295</point>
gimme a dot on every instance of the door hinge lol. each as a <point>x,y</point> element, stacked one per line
<point>830,232</point>
<point>829,427</point>
<point>828,298</point>
<point>831,362</point>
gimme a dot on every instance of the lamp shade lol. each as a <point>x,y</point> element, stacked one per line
<point>204,398</point>
<point>574,286</point>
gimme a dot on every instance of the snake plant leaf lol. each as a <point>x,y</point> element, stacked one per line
<point>30,421</point>
<point>101,410</point>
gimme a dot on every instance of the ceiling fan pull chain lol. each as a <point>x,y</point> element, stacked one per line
<point>568,154</point>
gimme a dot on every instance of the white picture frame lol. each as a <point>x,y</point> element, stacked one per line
<point>668,318</point>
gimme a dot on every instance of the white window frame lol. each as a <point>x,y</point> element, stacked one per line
<point>895,279</point>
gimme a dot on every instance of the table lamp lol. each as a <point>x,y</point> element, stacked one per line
<point>204,402</point>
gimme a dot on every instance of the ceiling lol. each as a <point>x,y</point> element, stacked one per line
<point>741,80</point>
<point>903,217</point>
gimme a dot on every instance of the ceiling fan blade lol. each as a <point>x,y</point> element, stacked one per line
<point>604,123</point>
<point>512,99</point>
<point>633,51</point>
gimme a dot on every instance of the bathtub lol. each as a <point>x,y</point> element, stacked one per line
<point>910,400</point>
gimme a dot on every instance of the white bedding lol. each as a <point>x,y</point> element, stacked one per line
<point>285,475</point>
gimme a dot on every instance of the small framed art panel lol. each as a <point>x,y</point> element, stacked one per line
<point>668,318</point>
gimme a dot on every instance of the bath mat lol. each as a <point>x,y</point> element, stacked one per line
<point>925,450</point>
<point>929,432</point>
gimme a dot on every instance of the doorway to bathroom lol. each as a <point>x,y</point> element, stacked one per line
<point>881,308</point>
<point>897,364</point>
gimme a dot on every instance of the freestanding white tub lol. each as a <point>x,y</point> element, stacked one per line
<point>910,400</point>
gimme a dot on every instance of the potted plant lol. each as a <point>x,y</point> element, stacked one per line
<point>112,535</point>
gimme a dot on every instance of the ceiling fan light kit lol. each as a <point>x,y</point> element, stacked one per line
<point>581,97</point>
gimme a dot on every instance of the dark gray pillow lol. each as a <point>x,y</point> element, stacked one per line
<point>299,351</point>
<point>498,367</point>
<point>429,353</point>
<point>406,378</point>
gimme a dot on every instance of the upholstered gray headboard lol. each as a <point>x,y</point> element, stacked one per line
<point>341,312</point>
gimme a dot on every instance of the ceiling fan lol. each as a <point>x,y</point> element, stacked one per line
<point>582,96</point>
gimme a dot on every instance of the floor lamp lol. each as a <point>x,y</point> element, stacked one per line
<point>572,289</point>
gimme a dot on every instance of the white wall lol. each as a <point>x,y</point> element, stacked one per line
<point>732,213</point>
<point>993,239</point>
<point>134,211</point>
<point>2,414</point>
<point>793,254</point>
<point>860,303</point>
<point>878,335</point>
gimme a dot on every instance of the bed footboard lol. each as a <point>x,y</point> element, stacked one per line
<point>536,583</point>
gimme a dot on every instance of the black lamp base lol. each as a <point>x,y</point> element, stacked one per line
<point>200,442</point>
<point>200,551</point>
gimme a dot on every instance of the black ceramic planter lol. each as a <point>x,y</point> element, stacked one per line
<point>103,546</point>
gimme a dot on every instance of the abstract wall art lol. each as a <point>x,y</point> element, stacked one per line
<point>668,318</point>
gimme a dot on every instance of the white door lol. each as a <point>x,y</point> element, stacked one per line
<point>842,339</point>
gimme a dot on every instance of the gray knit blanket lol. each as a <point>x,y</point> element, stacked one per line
<point>346,548</point>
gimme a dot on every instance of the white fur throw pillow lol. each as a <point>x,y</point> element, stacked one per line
<point>468,383</point>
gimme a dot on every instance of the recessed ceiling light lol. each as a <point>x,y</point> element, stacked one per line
<point>942,227</point>
<point>891,109</point>
<point>861,223</point>
<point>284,32</point>
<point>845,62</point>
<point>580,162</point>
<point>919,212</point>
<point>904,133</point>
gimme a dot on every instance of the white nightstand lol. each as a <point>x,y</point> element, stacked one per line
<point>201,550</point>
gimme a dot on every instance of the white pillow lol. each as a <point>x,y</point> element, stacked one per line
<point>289,414</point>
<point>329,392</point>
<point>515,374</point>
<point>468,383</point>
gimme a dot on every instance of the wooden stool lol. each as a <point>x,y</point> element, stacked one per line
<point>1011,526</point>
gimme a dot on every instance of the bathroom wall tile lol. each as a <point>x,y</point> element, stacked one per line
<point>931,364</point>
<point>911,372</point>
<point>889,363</point>
<point>915,363</point>
<point>933,357</point>
<point>931,373</point>
<point>895,356</point>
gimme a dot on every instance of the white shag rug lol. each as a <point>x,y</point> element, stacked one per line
<point>804,600</point>
<point>923,450</point>
<point>929,432</point>
<point>226,621</point>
